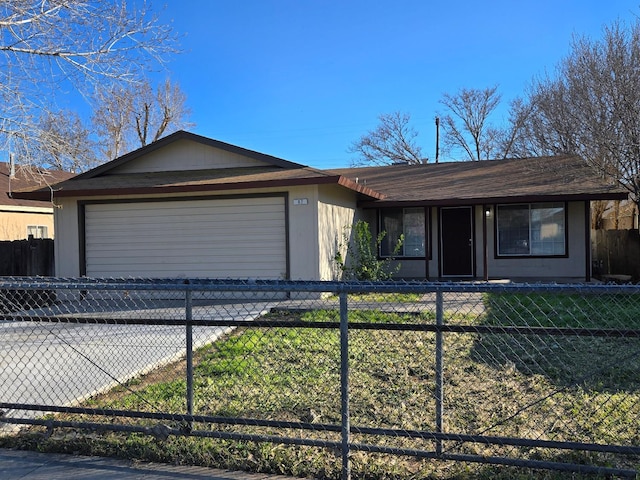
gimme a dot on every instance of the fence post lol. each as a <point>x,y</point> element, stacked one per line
<point>439,367</point>
<point>189,348</point>
<point>344,385</point>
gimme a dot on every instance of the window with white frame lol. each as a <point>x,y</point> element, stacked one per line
<point>37,231</point>
<point>409,222</point>
<point>535,229</point>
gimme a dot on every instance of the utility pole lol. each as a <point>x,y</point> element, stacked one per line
<point>437,138</point>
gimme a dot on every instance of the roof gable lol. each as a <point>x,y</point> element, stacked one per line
<point>183,151</point>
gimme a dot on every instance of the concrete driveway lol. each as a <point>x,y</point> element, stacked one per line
<point>64,363</point>
<point>21,465</point>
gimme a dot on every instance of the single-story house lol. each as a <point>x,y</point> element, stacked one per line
<point>20,217</point>
<point>191,206</point>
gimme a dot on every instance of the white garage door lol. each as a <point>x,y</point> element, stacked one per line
<point>217,238</point>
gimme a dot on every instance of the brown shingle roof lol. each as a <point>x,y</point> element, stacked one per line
<point>529,179</point>
<point>532,179</point>
<point>276,172</point>
<point>27,178</point>
<point>196,181</point>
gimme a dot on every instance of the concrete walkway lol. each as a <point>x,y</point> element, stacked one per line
<point>25,465</point>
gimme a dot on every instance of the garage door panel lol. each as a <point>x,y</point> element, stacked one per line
<point>223,250</point>
<point>221,241</point>
<point>138,256</point>
<point>223,238</point>
<point>223,221</point>
<point>175,210</point>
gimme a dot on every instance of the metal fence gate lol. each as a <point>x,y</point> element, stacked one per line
<point>429,374</point>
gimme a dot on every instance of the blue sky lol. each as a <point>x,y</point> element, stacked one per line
<point>302,80</point>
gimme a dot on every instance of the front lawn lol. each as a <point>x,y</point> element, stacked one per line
<point>539,387</point>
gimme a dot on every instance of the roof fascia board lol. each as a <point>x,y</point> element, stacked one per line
<point>376,199</point>
<point>492,200</point>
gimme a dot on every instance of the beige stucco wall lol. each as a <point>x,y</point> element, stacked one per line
<point>336,213</point>
<point>303,230</point>
<point>67,246</point>
<point>13,224</point>
<point>303,233</point>
<point>185,155</point>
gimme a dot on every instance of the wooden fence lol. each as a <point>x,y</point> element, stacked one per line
<point>616,254</point>
<point>27,257</point>
<point>19,258</point>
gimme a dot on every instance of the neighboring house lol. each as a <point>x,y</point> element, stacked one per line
<point>191,206</point>
<point>20,218</point>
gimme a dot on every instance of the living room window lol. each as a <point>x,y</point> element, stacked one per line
<point>535,229</point>
<point>409,222</point>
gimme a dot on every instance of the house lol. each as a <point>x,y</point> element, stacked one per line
<point>21,218</point>
<point>191,206</point>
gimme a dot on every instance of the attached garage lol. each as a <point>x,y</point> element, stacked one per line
<point>220,237</point>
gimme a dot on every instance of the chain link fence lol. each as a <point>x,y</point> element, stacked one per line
<point>326,379</point>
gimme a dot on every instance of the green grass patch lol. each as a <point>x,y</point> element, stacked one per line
<point>558,310</point>
<point>600,363</point>
<point>368,316</point>
<point>385,297</point>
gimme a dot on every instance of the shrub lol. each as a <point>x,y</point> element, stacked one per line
<point>361,261</point>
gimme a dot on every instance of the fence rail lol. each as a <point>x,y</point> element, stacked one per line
<point>521,375</point>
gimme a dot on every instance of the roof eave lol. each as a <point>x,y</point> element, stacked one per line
<point>40,195</point>
<point>172,189</point>
<point>495,199</point>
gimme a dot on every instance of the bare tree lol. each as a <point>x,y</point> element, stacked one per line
<point>110,120</point>
<point>515,132</point>
<point>59,141</point>
<point>466,128</point>
<point>65,143</point>
<point>131,116</point>
<point>159,113</point>
<point>591,106</point>
<point>49,48</point>
<point>393,141</point>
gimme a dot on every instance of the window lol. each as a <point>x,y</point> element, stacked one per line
<point>37,231</point>
<point>536,229</point>
<point>409,222</point>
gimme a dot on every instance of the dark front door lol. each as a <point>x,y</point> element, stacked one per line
<point>456,241</point>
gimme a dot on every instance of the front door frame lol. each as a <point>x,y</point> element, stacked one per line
<point>470,241</point>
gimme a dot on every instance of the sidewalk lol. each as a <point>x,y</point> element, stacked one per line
<point>26,465</point>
